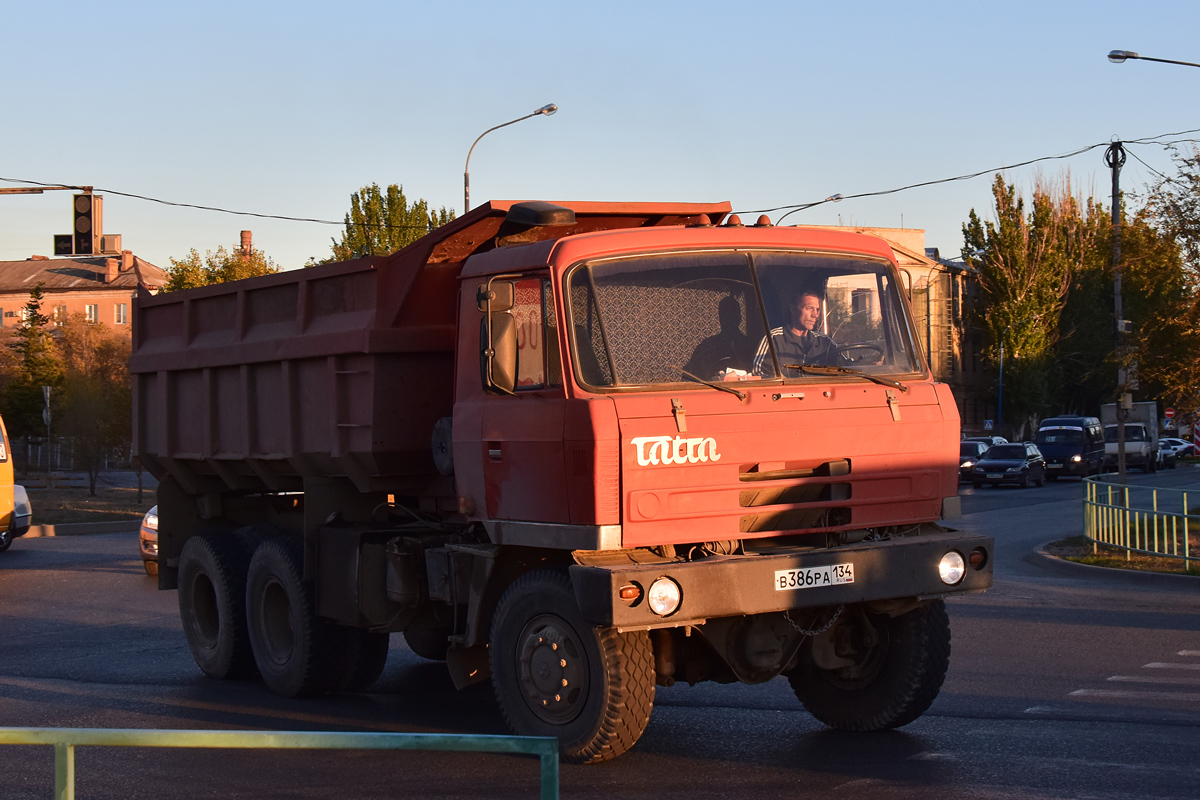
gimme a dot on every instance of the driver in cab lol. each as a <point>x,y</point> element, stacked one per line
<point>796,341</point>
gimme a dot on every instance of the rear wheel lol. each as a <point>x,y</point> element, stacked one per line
<point>6,540</point>
<point>212,605</point>
<point>556,675</point>
<point>295,650</point>
<point>899,664</point>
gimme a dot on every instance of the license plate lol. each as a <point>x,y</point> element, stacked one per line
<point>994,476</point>
<point>1055,466</point>
<point>810,577</point>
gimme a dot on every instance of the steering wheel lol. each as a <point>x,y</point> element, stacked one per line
<point>860,353</point>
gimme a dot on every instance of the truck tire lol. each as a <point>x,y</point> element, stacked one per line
<point>901,674</point>
<point>212,605</point>
<point>363,656</point>
<point>295,650</point>
<point>556,675</point>
<point>430,643</point>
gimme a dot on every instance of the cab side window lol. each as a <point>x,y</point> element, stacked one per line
<point>538,363</point>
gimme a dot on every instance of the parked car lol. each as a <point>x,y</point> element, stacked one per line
<point>1020,463</point>
<point>148,541</point>
<point>1179,448</point>
<point>988,440</point>
<point>968,453</point>
<point>18,524</point>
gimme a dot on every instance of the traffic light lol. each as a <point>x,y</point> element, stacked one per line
<point>64,244</point>
<point>88,223</point>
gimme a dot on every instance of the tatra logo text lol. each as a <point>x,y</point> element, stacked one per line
<point>674,450</point>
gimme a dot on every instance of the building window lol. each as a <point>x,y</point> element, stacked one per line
<point>93,312</point>
<point>60,315</point>
<point>122,316</point>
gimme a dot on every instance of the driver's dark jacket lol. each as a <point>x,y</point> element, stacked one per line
<point>812,348</point>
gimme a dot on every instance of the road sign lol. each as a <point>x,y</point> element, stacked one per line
<point>987,424</point>
<point>1169,413</point>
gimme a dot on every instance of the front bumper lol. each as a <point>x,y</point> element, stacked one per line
<point>727,586</point>
<point>1065,466</point>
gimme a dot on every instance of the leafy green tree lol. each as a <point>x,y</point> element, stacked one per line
<point>96,408</point>
<point>383,221</point>
<point>1026,262</point>
<point>219,267</point>
<point>33,362</point>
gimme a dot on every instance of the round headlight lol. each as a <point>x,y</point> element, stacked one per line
<point>952,568</point>
<point>664,596</point>
<point>1077,459</point>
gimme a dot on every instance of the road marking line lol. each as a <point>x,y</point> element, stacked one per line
<point>1163,665</point>
<point>1189,653</point>
<point>1193,696</point>
<point>1181,680</point>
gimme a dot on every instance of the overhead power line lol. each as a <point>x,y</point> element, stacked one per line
<point>791,209</point>
<point>1161,140</point>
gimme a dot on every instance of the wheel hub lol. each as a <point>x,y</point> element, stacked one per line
<point>552,669</point>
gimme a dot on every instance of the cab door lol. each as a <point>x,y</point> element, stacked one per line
<point>523,463</point>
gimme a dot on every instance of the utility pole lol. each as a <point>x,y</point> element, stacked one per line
<point>1114,157</point>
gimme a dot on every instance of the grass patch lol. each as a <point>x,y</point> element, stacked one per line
<point>62,506</point>
<point>1081,550</point>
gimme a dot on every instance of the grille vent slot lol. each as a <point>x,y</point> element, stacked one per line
<point>784,470</point>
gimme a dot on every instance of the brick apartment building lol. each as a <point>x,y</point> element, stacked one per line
<point>99,287</point>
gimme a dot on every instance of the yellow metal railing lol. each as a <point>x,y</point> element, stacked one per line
<point>65,740</point>
<point>1139,519</point>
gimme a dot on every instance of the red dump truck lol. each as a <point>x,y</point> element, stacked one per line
<point>577,450</point>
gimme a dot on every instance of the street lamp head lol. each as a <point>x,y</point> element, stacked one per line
<point>547,109</point>
<point>1119,56</point>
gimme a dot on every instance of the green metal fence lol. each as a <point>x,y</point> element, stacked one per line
<point>65,740</point>
<point>1140,519</point>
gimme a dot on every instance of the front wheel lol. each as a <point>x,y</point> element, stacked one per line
<point>556,675</point>
<point>898,665</point>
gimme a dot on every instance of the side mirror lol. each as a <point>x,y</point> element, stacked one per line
<point>497,337</point>
<point>500,294</point>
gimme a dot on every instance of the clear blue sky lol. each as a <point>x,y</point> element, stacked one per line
<point>287,108</point>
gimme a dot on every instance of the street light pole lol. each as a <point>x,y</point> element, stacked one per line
<point>1119,56</point>
<point>545,110</point>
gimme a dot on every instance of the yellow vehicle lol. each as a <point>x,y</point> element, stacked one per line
<point>14,502</point>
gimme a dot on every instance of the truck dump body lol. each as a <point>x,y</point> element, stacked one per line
<point>336,370</point>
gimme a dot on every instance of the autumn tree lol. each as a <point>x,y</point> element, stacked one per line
<point>96,407</point>
<point>219,267</point>
<point>32,362</point>
<point>1026,261</point>
<point>383,221</point>
<point>1173,204</point>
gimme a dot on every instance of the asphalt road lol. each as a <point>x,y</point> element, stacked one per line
<point>1064,683</point>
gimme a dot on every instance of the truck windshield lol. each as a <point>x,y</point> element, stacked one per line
<point>1133,433</point>
<point>687,317</point>
<point>1059,436</point>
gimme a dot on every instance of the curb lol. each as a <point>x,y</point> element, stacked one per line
<point>1072,569</point>
<point>81,529</point>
